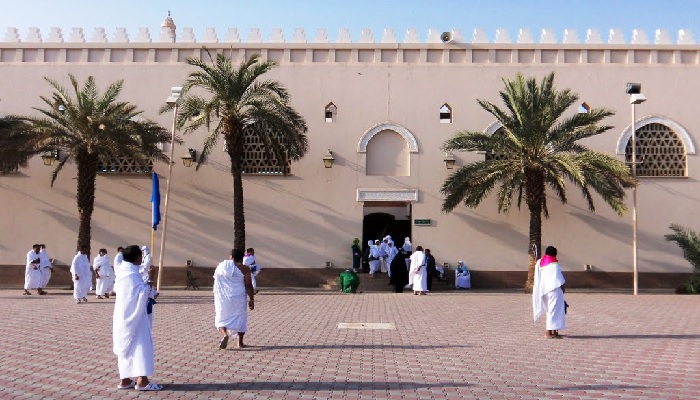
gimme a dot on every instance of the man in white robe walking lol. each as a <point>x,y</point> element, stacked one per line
<point>82,276</point>
<point>548,295</point>
<point>232,282</point>
<point>32,273</point>
<point>131,328</point>
<point>419,271</point>
<point>45,266</point>
<point>103,274</point>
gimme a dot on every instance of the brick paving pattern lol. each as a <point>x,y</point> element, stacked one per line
<point>447,345</point>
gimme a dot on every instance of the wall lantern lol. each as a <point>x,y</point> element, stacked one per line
<point>49,157</point>
<point>190,158</point>
<point>328,159</point>
<point>450,161</point>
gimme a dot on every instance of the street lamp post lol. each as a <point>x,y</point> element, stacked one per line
<point>636,97</point>
<point>173,100</point>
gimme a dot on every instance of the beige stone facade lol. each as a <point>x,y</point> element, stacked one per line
<point>385,136</point>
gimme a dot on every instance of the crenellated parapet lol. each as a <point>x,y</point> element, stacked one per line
<point>169,45</point>
<point>167,34</point>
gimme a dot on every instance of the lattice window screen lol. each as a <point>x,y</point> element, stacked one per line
<point>660,152</point>
<point>123,165</point>
<point>495,155</point>
<point>255,161</point>
<point>6,167</point>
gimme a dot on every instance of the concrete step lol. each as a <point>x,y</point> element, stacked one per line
<point>379,283</point>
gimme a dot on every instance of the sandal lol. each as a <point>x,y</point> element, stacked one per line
<point>152,387</point>
<point>224,342</point>
<point>129,386</point>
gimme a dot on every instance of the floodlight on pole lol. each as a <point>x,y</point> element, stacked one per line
<point>636,97</point>
<point>173,100</point>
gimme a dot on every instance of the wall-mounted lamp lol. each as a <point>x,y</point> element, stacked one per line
<point>190,158</point>
<point>328,159</point>
<point>450,161</point>
<point>49,157</point>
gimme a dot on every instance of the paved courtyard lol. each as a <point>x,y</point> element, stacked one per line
<point>447,345</point>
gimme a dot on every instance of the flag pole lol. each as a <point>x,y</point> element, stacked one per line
<point>174,98</point>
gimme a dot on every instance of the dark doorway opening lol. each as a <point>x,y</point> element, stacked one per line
<point>377,225</point>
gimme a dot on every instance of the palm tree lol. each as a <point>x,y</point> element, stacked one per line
<point>240,104</point>
<point>88,127</point>
<point>689,242</point>
<point>537,147</point>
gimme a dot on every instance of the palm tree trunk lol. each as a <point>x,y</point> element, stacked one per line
<point>535,243</point>
<point>534,195</point>
<point>87,175</point>
<point>235,151</point>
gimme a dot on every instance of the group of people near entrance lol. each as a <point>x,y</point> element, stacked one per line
<point>406,269</point>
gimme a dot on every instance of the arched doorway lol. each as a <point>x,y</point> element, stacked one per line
<point>382,219</point>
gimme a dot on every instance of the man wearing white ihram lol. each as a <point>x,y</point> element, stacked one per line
<point>45,266</point>
<point>547,293</point>
<point>420,275</point>
<point>82,277</point>
<point>104,274</point>
<point>131,328</point>
<point>232,281</point>
<point>32,274</point>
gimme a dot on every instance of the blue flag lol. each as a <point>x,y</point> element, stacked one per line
<point>155,201</point>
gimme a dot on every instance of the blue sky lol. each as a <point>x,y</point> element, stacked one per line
<point>356,15</point>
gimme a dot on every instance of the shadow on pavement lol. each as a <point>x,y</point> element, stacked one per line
<point>599,387</point>
<point>308,386</point>
<point>343,346</point>
<point>650,336</point>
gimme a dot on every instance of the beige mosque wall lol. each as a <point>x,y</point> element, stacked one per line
<point>310,217</point>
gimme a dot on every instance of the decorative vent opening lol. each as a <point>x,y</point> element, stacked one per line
<point>495,154</point>
<point>445,114</point>
<point>331,112</point>
<point>659,152</point>
<point>123,165</point>
<point>256,161</point>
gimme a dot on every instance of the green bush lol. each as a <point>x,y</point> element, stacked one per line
<point>689,242</point>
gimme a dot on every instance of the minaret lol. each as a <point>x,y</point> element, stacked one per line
<point>168,26</point>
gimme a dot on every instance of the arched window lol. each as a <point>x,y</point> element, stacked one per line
<point>659,152</point>
<point>445,114</point>
<point>330,112</point>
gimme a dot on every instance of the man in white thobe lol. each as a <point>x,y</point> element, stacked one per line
<point>374,254</point>
<point>146,263</point>
<point>103,273</point>
<point>32,273</point>
<point>547,293</point>
<point>131,328</point>
<point>391,252</point>
<point>82,276</point>
<point>45,266</point>
<point>419,272</point>
<point>232,282</point>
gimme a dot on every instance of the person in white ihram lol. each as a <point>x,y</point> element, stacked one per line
<point>232,282</point>
<point>132,334</point>
<point>548,295</point>
<point>82,276</point>
<point>32,274</point>
<point>103,274</point>
<point>45,266</point>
